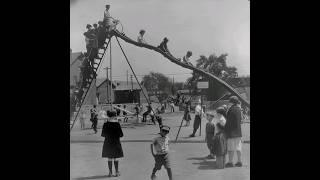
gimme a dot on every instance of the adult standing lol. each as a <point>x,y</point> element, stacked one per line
<point>112,148</point>
<point>233,131</point>
<point>94,118</point>
<point>197,119</point>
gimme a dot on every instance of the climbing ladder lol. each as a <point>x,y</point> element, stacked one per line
<point>96,65</point>
<point>176,61</point>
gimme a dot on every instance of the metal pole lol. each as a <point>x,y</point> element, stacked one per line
<point>110,77</point>
<point>148,100</point>
<point>179,130</point>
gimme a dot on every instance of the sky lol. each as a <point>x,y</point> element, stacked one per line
<point>204,27</point>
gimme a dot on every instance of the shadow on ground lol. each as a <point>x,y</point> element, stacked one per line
<point>92,177</point>
<point>204,164</point>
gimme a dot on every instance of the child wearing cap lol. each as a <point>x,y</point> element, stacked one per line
<point>161,157</point>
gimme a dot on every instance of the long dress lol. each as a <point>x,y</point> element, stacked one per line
<point>111,146</point>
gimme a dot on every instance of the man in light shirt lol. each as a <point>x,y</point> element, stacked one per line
<point>197,119</point>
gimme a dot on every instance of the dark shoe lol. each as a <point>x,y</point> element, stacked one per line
<point>117,174</point>
<point>191,135</point>
<point>153,177</point>
<point>238,164</point>
<point>110,175</point>
<point>229,165</point>
<point>210,157</point>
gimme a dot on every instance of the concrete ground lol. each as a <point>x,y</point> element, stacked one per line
<point>187,154</point>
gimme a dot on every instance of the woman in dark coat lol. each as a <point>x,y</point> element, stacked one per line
<point>112,148</point>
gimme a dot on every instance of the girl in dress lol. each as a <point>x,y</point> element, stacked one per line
<point>112,148</point>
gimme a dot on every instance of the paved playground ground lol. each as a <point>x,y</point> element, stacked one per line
<point>188,154</point>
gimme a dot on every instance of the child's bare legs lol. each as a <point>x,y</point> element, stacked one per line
<point>239,156</point>
<point>169,173</point>
<point>230,156</point>
<point>153,175</point>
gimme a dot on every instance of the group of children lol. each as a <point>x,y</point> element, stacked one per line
<point>215,136</point>
<point>95,37</point>
<point>163,47</point>
<point>112,149</point>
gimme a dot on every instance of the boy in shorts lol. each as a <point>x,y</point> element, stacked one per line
<point>161,157</point>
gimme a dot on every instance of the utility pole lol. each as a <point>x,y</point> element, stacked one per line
<point>110,77</point>
<point>107,78</point>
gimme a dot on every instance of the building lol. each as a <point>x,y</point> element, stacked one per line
<point>74,67</point>
<point>127,92</point>
<point>241,84</point>
<point>122,92</point>
<point>103,91</point>
<point>75,62</point>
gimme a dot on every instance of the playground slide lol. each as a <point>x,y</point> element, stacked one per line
<point>176,61</point>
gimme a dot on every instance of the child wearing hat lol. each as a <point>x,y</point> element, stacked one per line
<point>161,157</point>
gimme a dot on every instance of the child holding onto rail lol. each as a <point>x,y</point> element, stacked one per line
<point>161,157</point>
<point>186,59</point>
<point>140,37</point>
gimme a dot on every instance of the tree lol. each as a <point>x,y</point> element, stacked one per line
<point>216,65</point>
<point>155,82</point>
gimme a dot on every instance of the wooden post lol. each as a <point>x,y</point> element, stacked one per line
<point>110,77</point>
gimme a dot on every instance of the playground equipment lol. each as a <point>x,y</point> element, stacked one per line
<point>128,112</point>
<point>166,54</point>
<point>176,61</point>
<point>91,79</point>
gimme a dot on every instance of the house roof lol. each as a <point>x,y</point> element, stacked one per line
<point>100,81</point>
<point>123,85</point>
<point>75,56</point>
